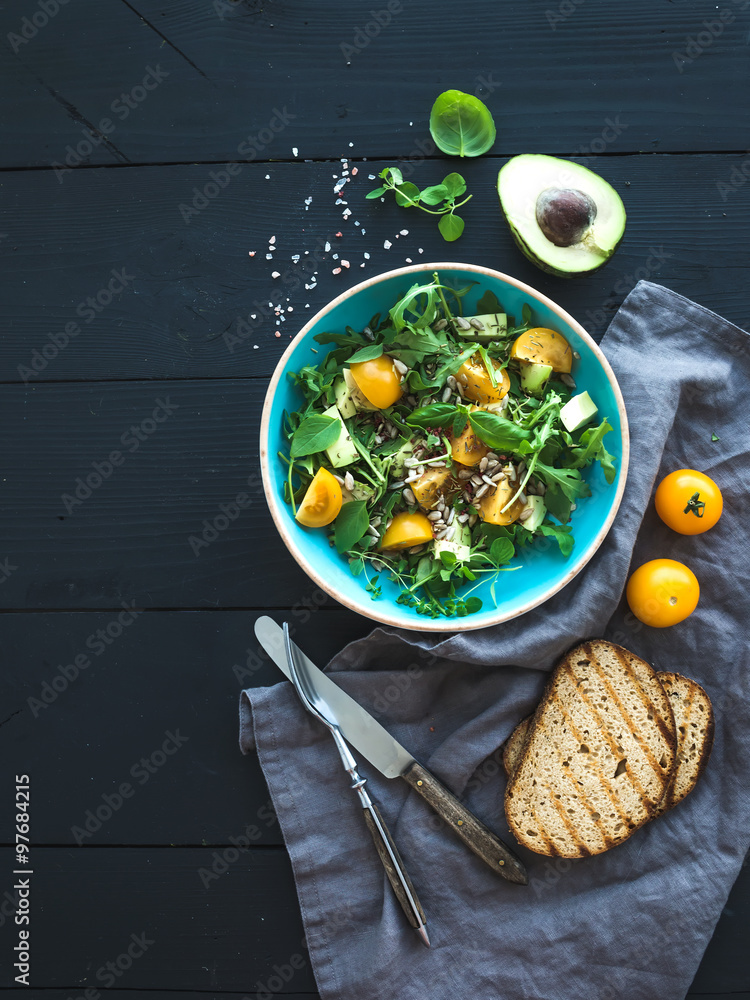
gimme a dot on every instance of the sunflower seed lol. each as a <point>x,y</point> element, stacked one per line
<point>461,392</point>
<point>522,497</point>
<point>462,518</point>
<point>491,456</point>
<point>441,534</point>
<point>497,476</point>
<point>400,367</point>
<point>541,489</point>
<point>376,521</point>
<point>435,515</point>
<point>412,477</point>
<point>525,513</point>
<point>451,381</point>
<point>447,393</point>
<point>573,506</point>
<point>450,532</point>
<point>467,496</point>
<point>462,324</point>
<point>441,504</point>
<point>409,497</point>
<point>338,479</point>
<point>414,549</point>
<point>349,481</point>
<point>568,380</point>
<point>439,464</point>
<point>476,480</point>
<point>420,470</point>
<point>411,400</point>
<point>393,433</point>
<point>481,491</point>
<point>521,468</point>
<point>373,531</point>
<point>483,464</point>
<point>465,474</point>
<point>531,489</point>
<point>477,324</point>
<point>397,485</point>
<point>388,523</point>
<point>473,518</point>
<point>576,355</point>
<point>368,333</point>
<point>378,439</point>
<point>440,325</point>
<point>451,515</point>
<point>378,566</point>
<point>488,481</point>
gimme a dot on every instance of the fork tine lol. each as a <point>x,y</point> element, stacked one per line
<point>300,679</point>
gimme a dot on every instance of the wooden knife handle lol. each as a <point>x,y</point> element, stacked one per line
<point>380,834</point>
<point>482,841</point>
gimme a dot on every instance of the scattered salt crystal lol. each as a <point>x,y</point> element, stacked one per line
<point>345,263</point>
<point>371,177</point>
<point>255,347</point>
<point>409,260</point>
<point>276,274</point>
<point>411,123</point>
<point>339,235</point>
<point>366,255</point>
<point>421,250</point>
<point>290,309</point>
<point>277,334</point>
<point>350,145</point>
<point>295,257</point>
<point>387,245</point>
<point>269,256</point>
<point>272,239</point>
<point>251,253</point>
<point>268,177</point>
<point>254,316</point>
<point>355,171</point>
<point>364,231</point>
<point>327,247</point>
<point>404,232</point>
<point>336,270</point>
<point>346,213</point>
<point>361,265</point>
<point>335,256</point>
<point>295,151</point>
<point>307,305</point>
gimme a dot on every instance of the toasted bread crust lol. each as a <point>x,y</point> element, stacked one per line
<point>598,757</point>
<point>694,718</point>
<point>513,746</point>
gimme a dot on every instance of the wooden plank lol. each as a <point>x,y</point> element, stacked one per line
<point>225,934</point>
<point>189,285</point>
<point>554,79</point>
<point>91,729</point>
<point>212,937</point>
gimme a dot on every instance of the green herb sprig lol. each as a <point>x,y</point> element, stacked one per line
<point>442,197</point>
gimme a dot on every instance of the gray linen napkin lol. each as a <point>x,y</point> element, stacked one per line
<point>634,922</point>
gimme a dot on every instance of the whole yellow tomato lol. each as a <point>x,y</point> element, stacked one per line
<point>322,501</point>
<point>688,501</point>
<point>406,530</point>
<point>378,380</point>
<point>662,592</point>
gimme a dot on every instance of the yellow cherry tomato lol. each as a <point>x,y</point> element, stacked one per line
<point>467,449</point>
<point>543,347</point>
<point>406,530</point>
<point>662,592</point>
<point>688,501</point>
<point>430,488</point>
<point>378,381</point>
<point>491,505</point>
<point>322,501</point>
<point>475,379</point>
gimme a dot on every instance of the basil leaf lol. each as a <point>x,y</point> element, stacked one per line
<point>455,186</point>
<point>351,524</point>
<point>496,431</point>
<point>434,195</point>
<point>461,125</point>
<point>502,551</point>
<point>314,434</point>
<point>435,415</point>
<point>406,194</point>
<point>451,226</point>
<point>367,354</point>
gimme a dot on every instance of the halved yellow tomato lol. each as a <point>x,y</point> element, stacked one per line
<point>543,347</point>
<point>322,501</point>
<point>467,449</point>
<point>378,380</point>
<point>430,487</point>
<point>406,530</point>
<point>475,379</point>
<point>491,505</point>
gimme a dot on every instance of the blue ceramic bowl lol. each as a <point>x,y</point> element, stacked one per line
<point>543,569</point>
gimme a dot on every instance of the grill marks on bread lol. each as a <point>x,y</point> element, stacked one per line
<point>570,793</point>
<point>694,718</point>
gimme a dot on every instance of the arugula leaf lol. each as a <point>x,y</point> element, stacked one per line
<point>461,124</point>
<point>557,503</point>
<point>568,480</point>
<point>413,346</point>
<point>489,304</point>
<point>562,535</point>
<point>407,303</point>
<point>496,431</point>
<point>367,354</point>
<point>590,448</point>
<point>341,339</point>
<point>314,434</point>
<point>351,524</point>
<point>435,415</point>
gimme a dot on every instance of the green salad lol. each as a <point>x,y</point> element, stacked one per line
<point>434,446</point>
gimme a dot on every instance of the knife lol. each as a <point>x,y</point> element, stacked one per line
<point>376,744</point>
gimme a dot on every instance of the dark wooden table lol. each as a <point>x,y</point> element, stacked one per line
<point>149,149</point>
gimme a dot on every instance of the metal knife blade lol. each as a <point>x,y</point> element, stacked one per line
<point>357,726</point>
<point>394,761</point>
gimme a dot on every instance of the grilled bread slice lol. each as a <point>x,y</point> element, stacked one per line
<point>694,719</point>
<point>599,756</point>
<point>514,745</point>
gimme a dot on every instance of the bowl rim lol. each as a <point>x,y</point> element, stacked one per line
<point>384,617</point>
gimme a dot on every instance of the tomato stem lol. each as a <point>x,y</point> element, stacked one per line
<point>695,505</point>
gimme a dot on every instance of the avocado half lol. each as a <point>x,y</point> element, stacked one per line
<point>565,218</point>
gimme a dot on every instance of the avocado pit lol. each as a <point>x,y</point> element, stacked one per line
<point>565,215</point>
